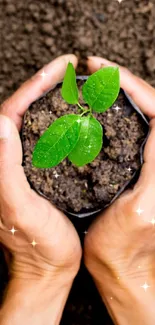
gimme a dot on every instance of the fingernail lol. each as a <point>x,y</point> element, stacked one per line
<point>89,58</point>
<point>102,61</point>
<point>5,127</point>
<point>106,62</point>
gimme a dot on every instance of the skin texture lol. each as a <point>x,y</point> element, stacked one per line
<point>41,276</point>
<point>120,244</point>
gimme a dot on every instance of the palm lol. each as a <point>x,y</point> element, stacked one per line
<point>44,238</point>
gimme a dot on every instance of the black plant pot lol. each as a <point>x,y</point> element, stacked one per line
<point>90,215</point>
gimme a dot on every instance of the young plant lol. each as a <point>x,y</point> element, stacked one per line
<point>78,136</point>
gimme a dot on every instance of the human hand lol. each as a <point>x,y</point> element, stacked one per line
<point>45,249</point>
<point>120,244</point>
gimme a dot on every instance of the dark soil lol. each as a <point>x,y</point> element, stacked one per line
<point>34,32</point>
<point>94,185</point>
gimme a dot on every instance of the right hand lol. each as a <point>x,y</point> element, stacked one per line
<point>120,244</point>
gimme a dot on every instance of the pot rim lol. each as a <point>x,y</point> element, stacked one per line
<point>95,212</point>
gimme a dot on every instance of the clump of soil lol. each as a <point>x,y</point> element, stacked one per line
<point>94,185</point>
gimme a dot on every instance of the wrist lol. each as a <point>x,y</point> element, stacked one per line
<point>37,302</point>
<point>127,302</point>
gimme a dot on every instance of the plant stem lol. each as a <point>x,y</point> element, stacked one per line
<point>80,106</point>
<point>85,111</point>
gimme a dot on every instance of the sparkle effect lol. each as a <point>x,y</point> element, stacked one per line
<point>56,175</point>
<point>86,185</point>
<point>129,169</point>
<point>139,211</point>
<point>119,1</point>
<point>117,108</point>
<point>33,243</point>
<point>145,286</point>
<point>153,221</point>
<point>13,230</point>
<point>43,75</point>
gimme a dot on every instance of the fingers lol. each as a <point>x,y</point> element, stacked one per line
<point>141,92</point>
<point>13,184</point>
<point>144,96</point>
<point>18,202</point>
<point>15,106</point>
<point>147,176</point>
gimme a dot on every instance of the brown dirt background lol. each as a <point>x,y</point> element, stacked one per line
<point>33,33</point>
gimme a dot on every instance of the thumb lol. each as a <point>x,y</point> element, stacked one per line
<point>13,181</point>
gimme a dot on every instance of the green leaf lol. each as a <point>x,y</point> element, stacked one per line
<point>69,89</point>
<point>102,88</point>
<point>89,143</point>
<point>57,141</point>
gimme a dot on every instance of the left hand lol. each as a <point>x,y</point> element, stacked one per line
<point>42,275</point>
<point>120,244</point>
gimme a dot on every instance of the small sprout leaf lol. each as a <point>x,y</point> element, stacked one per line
<point>78,137</point>
<point>89,143</point>
<point>102,88</point>
<point>69,89</point>
<point>57,141</point>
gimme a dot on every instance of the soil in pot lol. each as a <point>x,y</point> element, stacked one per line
<point>93,186</point>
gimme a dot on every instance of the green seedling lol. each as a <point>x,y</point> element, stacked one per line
<point>78,136</point>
